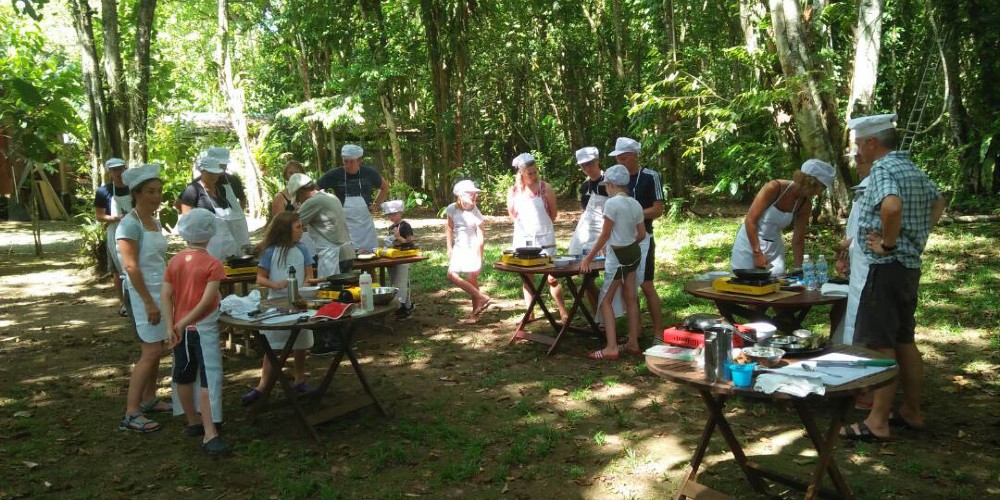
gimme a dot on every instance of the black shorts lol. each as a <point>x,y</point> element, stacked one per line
<point>188,359</point>
<point>647,275</point>
<point>888,303</point>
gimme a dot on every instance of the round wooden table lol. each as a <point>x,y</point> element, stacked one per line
<point>789,311</point>
<point>715,395</point>
<point>344,329</point>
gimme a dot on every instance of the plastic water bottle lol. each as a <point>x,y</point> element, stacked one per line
<point>808,272</point>
<point>367,294</point>
<point>822,271</point>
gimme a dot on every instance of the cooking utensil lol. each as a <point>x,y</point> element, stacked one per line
<point>239,261</point>
<point>528,251</point>
<point>701,321</point>
<point>752,274</point>
<point>861,363</point>
<point>766,356</point>
<point>811,367</point>
<point>342,279</point>
<point>382,295</point>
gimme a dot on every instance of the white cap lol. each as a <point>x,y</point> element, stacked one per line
<point>219,153</point>
<point>351,152</point>
<point>115,163</point>
<point>821,170</point>
<point>465,186</point>
<point>196,226</point>
<point>522,160</point>
<point>869,125</point>
<point>626,145</point>
<point>296,182</point>
<point>135,176</point>
<point>617,175</point>
<point>208,164</point>
<point>586,155</point>
<point>392,207</point>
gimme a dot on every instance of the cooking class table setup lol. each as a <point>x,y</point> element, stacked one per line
<point>534,268</point>
<point>800,370</point>
<point>338,307</point>
<point>384,258</point>
<point>755,295</point>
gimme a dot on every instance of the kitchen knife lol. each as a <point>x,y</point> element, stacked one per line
<point>861,363</point>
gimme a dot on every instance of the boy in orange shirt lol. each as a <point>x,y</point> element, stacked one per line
<point>190,305</point>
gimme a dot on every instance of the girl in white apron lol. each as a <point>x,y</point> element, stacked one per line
<point>464,238</point>
<point>532,208</point>
<point>359,218</point>
<point>281,249</point>
<point>142,251</point>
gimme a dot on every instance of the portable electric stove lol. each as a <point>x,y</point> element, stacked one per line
<point>398,253</point>
<point>745,286</point>
<point>345,294</point>
<point>681,336</point>
<point>517,259</point>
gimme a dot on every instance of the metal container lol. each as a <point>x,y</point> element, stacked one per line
<point>724,348</point>
<point>711,357</point>
<point>293,287</point>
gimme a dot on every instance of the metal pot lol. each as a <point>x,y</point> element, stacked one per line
<point>528,251</point>
<point>752,274</point>
<point>702,321</point>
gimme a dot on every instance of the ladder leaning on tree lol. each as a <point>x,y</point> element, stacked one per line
<point>932,66</point>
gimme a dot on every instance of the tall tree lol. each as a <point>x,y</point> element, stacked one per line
<point>93,85</point>
<point>867,42</point>
<point>139,116</point>
<point>118,106</point>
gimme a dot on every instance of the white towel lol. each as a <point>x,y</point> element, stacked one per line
<point>835,289</point>
<point>768,383</point>
<point>240,307</point>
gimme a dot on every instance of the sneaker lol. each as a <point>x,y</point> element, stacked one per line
<point>248,398</point>
<point>217,447</point>
<point>404,312</point>
<point>302,388</point>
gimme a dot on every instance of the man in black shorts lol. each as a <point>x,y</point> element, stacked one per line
<point>644,185</point>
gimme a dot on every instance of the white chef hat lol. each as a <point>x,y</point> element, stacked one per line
<point>522,160</point>
<point>219,153</point>
<point>351,152</point>
<point>465,186</point>
<point>208,164</point>
<point>115,163</point>
<point>626,145</point>
<point>586,155</point>
<point>135,176</point>
<point>819,169</point>
<point>196,226</point>
<point>296,182</point>
<point>617,175</point>
<point>392,207</point>
<point>865,126</point>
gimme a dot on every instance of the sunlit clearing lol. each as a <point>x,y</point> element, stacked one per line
<point>38,380</point>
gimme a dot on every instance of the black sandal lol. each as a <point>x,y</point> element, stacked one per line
<point>862,434</point>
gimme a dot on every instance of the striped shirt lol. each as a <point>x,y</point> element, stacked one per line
<point>646,188</point>
<point>895,175</point>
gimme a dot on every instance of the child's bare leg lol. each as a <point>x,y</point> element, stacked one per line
<point>185,392</point>
<point>631,299</point>
<point>299,355</point>
<point>206,416</point>
<point>266,374</point>
<point>555,289</point>
<point>608,312</point>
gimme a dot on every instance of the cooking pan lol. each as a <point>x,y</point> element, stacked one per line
<point>343,279</point>
<point>752,274</point>
<point>702,321</point>
<point>529,251</point>
<point>239,261</point>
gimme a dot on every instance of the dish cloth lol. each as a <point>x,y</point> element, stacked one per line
<point>800,387</point>
<point>834,289</point>
<point>240,307</point>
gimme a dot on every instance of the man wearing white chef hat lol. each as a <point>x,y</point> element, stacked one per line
<point>354,184</point>
<point>896,214</point>
<point>593,195</point>
<point>399,234</point>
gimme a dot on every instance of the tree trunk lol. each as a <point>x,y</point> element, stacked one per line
<point>397,152</point>
<point>315,134</point>
<point>377,43</point>
<point>92,84</point>
<point>237,115</point>
<point>808,105</point>
<point>138,149</point>
<point>113,69</point>
<point>867,42</point>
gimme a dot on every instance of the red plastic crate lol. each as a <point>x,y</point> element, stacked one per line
<point>679,336</point>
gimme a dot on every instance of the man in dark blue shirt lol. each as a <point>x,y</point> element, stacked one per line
<point>111,202</point>
<point>354,184</point>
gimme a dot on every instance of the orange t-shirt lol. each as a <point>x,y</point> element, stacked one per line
<point>189,272</point>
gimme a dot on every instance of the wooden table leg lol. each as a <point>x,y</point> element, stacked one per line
<point>578,305</point>
<point>825,446</point>
<point>837,312</point>
<point>278,363</point>
<point>347,338</point>
<point>715,405</point>
<point>520,332</point>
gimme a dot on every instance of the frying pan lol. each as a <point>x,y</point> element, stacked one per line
<point>529,251</point>
<point>344,278</point>
<point>239,261</point>
<point>702,321</point>
<point>752,274</point>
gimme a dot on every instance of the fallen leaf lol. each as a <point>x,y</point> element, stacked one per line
<point>961,434</point>
<point>506,487</point>
<point>886,451</point>
<point>30,465</point>
<point>804,460</point>
<point>22,414</point>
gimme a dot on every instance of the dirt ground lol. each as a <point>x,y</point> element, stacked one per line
<point>471,416</point>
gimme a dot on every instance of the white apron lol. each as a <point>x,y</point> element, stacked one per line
<point>153,263</point>
<point>277,272</point>
<point>227,224</point>
<point>769,228</point>
<point>400,275</point>
<point>590,225</point>
<point>208,331</point>
<point>360,225</point>
<point>859,271</point>
<point>611,266</point>
<point>237,220</point>
<point>327,257</point>
<point>120,205</point>
<point>532,222</point>
<point>465,247</point>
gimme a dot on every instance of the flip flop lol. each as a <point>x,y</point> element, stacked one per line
<point>862,434</point>
<point>482,308</point>
<point>599,354</point>
<point>897,420</point>
<point>625,349</point>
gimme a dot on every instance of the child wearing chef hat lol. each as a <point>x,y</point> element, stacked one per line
<point>399,233</point>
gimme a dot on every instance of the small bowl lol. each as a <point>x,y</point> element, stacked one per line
<point>308,292</point>
<point>384,294</point>
<point>766,356</point>
<point>562,262</point>
<point>780,341</point>
<point>762,331</point>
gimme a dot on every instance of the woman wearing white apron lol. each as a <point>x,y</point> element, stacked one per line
<point>111,203</point>
<point>323,217</point>
<point>532,207</point>
<point>236,219</point>
<point>204,193</point>
<point>190,302</point>
<point>856,259</point>
<point>143,250</point>
<point>759,243</point>
<point>280,250</point>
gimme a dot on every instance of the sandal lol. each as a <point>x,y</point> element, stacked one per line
<point>195,430</point>
<point>897,420</point>
<point>599,354</point>
<point>625,349</point>
<point>482,307</point>
<point>863,433</point>
<point>156,406</point>
<point>251,396</point>
<point>137,422</point>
